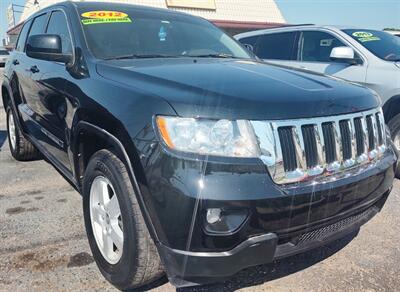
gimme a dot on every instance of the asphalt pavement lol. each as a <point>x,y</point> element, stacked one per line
<point>43,245</point>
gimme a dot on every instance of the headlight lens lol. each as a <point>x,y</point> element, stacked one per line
<point>209,137</point>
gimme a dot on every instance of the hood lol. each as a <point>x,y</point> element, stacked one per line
<point>238,89</point>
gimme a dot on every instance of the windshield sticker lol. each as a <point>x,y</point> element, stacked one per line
<point>94,17</point>
<point>162,34</point>
<point>326,43</point>
<point>364,36</point>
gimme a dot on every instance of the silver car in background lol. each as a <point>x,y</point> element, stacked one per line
<point>368,57</point>
<point>3,57</point>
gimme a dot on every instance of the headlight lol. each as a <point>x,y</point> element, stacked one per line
<point>209,137</point>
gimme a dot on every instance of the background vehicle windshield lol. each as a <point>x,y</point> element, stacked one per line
<point>381,44</point>
<point>155,34</point>
<point>4,52</point>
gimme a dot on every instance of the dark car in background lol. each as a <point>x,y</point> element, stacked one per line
<point>194,159</point>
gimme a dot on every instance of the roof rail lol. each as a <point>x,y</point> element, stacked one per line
<point>291,25</point>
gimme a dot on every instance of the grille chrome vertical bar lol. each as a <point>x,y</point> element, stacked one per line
<point>338,144</point>
<point>319,135</point>
<point>373,154</point>
<point>336,164</point>
<point>300,148</point>
<point>353,139</point>
<point>365,133</point>
<point>381,124</point>
<point>362,156</point>
<point>279,173</point>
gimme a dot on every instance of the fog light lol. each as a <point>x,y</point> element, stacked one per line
<point>213,215</point>
<point>223,221</point>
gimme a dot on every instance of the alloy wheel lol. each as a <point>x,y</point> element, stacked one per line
<point>11,130</point>
<point>105,215</point>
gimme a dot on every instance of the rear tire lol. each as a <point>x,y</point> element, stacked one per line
<point>134,263</point>
<point>21,149</point>
<point>394,126</point>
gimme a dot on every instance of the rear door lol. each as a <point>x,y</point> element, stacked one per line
<point>16,71</point>
<point>279,48</point>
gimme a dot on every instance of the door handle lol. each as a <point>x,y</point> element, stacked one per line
<point>34,69</point>
<point>15,62</point>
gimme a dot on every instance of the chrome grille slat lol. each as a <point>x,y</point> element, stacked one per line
<point>300,147</point>
<point>372,136</point>
<point>353,140</point>
<point>338,142</point>
<point>365,134</point>
<point>320,146</point>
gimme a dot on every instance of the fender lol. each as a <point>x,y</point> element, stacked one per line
<point>123,155</point>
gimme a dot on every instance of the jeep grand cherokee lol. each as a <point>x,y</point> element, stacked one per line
<point>193,159</point>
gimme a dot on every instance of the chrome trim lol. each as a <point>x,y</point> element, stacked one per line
<point>271,148</point>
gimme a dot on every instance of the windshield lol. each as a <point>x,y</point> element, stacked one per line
<point>380,43</point>
<point>4,52</point>
<point>133,33</point>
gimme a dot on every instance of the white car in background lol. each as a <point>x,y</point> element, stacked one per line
<point>368,57</point>
<point>3,57</point>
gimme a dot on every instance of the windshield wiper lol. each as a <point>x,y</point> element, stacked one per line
<point>139,56</point>
<point>218,55</point>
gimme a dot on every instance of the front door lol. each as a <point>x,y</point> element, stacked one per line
<point>314,52</point>
<point>48,103</point>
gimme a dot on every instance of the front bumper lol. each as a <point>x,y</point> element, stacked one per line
<point>195,268</point>
<point>274,221</point>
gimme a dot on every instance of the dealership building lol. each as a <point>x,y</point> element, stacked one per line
<point>234,16</point>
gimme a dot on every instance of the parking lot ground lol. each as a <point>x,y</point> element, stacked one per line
<point>43,245</point>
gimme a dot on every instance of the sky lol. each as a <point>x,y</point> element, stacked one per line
<point>376,14</point>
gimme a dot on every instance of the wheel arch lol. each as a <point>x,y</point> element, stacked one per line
<point>5,96</point>
<point>116,140</point>
<point>391,108</point>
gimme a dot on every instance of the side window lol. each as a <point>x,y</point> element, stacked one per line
<point>252,41</point>
<point>316,46</point>
<point>277,46</point>
<point>39,25</point>
<point>22,37</point>
<point>58,25</point>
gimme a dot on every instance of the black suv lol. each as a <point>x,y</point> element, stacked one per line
<point>193,158</point>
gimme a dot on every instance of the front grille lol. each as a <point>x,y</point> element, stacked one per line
<point>307,148</point>
<point>320,234</point>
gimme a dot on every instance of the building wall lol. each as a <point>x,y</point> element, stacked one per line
<point>235,16</point>
<point>263,11</point>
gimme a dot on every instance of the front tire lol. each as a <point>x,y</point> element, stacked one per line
<point>120,242</point>
<point>394,126</point>
<point>21,149</point>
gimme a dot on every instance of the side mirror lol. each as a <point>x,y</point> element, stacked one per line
<point>46,47</point>
<point>249,47</point>
<point>345,54</point>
